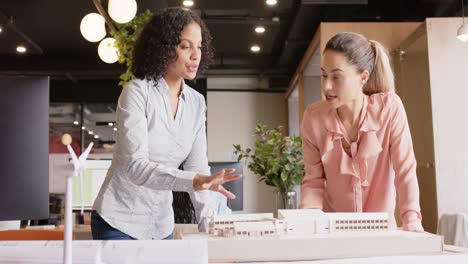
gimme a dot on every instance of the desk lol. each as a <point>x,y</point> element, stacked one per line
<point>83,232</point>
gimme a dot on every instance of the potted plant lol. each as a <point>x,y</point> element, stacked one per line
<point>277,160</point>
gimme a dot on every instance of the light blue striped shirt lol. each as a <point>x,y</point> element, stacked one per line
<point>136,197</point>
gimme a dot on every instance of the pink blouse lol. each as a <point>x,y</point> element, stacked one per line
<point>382,160</point>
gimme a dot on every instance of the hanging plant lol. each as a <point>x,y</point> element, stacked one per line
<point>126,36</point>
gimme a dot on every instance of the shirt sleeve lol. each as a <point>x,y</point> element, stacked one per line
<point>132,151</point>
<point>404,165</point>
<point>312,187</point>
<point>197,161</point>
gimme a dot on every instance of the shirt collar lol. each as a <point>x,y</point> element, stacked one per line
<point>366,120</point>
<point>162,84</point>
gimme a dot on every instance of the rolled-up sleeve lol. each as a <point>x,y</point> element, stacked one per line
<point>312,187</point>
<point>404,165</point>
<point>133,149</point>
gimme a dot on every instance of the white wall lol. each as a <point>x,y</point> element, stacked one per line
<point>233,82</point>
<point>312,91</point>
<point>293,112</point>
<point>448,61</point>
<point>232,117</point>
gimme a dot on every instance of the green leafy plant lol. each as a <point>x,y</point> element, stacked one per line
<point>126,36</point>
<point>277,159</point>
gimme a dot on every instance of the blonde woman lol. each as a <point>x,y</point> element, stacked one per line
<point>358,151</point>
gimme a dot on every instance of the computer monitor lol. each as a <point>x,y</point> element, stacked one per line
<point>24,148</point>
<point>236,187</point>
<point>93,178</point>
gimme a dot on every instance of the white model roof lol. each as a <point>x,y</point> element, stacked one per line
<point>243,217</point>
<point>254,226</point>
<point>299,213</point>
<point>357,216</point>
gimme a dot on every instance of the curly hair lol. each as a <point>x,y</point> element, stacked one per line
<point>156,46</point>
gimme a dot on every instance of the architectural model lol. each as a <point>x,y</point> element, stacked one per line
<point>309,235</point>
<point>296,222</point>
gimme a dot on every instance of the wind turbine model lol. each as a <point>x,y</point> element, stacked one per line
<point>79,164</point>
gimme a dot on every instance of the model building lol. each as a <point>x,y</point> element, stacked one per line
<point>296,222</point>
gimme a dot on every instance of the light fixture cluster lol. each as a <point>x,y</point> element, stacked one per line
<point>93,27</point>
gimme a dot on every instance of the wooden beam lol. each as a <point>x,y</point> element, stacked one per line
<point>301,98</point>
<point>291,86</point>
<point>314,44</point>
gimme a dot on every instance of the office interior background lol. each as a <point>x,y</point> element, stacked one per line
<point>268,75</point>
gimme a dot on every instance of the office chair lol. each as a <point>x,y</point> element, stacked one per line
<point>454,229</point>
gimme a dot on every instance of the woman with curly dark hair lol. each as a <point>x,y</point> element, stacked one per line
<point>161,125</point>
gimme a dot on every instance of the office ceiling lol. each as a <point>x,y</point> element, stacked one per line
<point>50,31</point>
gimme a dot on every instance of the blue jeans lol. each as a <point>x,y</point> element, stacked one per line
<point>101,230</point>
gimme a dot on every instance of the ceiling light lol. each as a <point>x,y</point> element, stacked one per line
<point>76,122</point>
<point>271,2</point>
<point>115,129</point>
<point>462,32</point>
<point>260,29</point>
<point>275,19</point>
<point>107,50</point>
<point>110,124</point>
<point>90,132</point>
<point>1,29</point>
<point>122,11</point>
<point>83,128</point>
<point>96,136</point>
<point>92,27</point>
<point>188,3</point>
<point>255,48</point>
<point>21,49</point>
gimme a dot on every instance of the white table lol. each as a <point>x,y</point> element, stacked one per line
<point>110,252</point>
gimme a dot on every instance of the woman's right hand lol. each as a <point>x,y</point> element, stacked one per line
<point>215,182</point>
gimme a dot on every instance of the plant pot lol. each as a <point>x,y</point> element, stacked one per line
<point>286,200</point>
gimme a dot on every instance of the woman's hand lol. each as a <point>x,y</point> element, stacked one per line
<point>415,226</point>
<point>215,181</point>
<point>412,222</point>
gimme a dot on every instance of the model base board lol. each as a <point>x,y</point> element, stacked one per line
<point>319,246</point>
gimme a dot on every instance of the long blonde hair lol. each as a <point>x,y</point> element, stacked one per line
<point>367,55</point>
